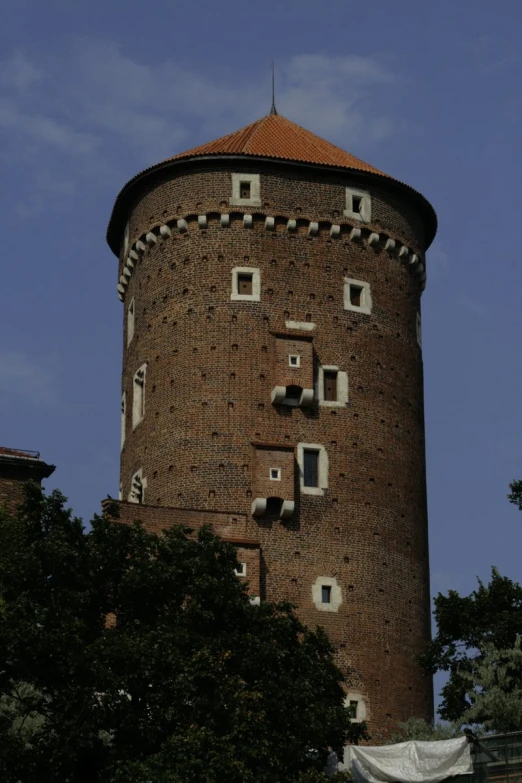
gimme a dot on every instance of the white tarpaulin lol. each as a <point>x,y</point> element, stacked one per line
<point>408,762</point>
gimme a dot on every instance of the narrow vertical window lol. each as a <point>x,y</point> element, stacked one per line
<point>356,293</point>
<point>123,411</point>
<point>311,468</point>
<point>138,401</point>
<point>137,489</point>
<point>326,594</point>
<point>126,239</point>
<point>330,385</point>
<point>130,321</point>
<point>352,709</point>
<point>312,459</point>
<point>244,190</point>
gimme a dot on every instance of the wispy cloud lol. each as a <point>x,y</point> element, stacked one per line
<point>330,95</point>
<point>490,53</point>
<point>33,379</point>
<point>19,72</point>
<point>96,99</point>
<point>46,130</point>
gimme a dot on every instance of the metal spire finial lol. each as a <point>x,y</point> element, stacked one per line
<point>273,110</point>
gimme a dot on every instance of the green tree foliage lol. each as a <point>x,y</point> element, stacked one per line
<point>468,628</point>
<point>515,496</point>
<point>495,691</point>
<point>420,729</point>
<point>131,657</point>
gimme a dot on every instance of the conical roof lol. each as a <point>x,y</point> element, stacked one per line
<point>274,136</point>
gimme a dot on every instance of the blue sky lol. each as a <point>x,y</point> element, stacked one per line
<point>92,92</point>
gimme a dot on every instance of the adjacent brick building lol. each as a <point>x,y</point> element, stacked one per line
<point>17,467</point>
<point>272,385</point>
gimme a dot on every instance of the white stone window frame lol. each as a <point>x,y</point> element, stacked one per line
<point>126,237</point>
<point>123,418</point>
<point>336,596</point>
<point>297,362</point>
<point>366,296</point>
<point>277,471</point>
<point>418,329</point>
<point>361,706</point>
<point>342,387</point>
<point>306,326</point>
<point>131,316</point>
<point>322,468</point>
<point>255,190</point>
<point>138,482</point>
<point>138,395</point>
<point>364,215</point>
<point>255,296</point>
<point>242,570</point>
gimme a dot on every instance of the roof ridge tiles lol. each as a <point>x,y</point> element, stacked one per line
<point>275,136</point>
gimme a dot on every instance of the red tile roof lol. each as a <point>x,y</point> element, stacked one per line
<point>274,136</point>
<point>4,451</point>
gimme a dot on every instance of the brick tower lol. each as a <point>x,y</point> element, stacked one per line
<point>272,385</point>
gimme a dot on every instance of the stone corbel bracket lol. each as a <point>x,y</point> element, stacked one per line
<point>314,230</point>
<point>259,508</point>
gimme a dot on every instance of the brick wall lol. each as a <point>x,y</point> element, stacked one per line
<point>209,379</point>
<point>284,373</point>
<point>16,469</point>
<point>235,529</point>
<point>267,459</point>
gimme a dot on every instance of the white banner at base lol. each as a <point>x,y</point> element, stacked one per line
<point>408,762</point>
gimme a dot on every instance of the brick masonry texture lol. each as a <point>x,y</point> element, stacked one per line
<point>211,364</point>
<point>12,490</point>
<point>265,460</point>
<point>16,469</point>
<point>284,374</point>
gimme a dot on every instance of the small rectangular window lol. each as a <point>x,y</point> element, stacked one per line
<point>311,468</point>
<point>326,594</point>
<point>244,189</point>
<point>330,385</point>
<point>240,570</point>
<point>356,294</point>
<point>294,360</point>
<point>352,709</point>
<point>244,284</point>
<point>275,474</point>
<point>358,205</point>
